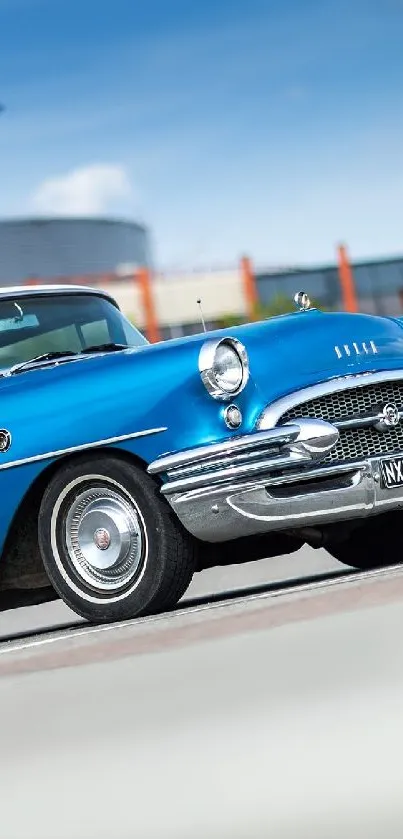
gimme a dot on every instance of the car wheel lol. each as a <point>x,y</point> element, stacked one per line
<point>371,545</point>
<point>110,544</point>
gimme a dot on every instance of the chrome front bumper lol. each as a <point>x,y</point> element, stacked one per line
<point>271,480</point>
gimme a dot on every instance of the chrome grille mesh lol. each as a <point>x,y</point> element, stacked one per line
<point>356,443</point>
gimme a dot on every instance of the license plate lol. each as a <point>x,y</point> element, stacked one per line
<point>392,472</point>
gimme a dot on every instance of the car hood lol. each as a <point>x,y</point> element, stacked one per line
<point>285,353</point>
<point>159,387</point>
<point>305,347</point>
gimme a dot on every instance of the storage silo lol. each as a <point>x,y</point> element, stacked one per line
<point>48,249</point>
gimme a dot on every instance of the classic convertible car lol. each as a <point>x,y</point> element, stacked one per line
<point>126,467</point>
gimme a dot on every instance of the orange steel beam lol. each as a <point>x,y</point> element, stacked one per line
<point>143,278</point>
<point>348,290</point>
<point>249,288</point>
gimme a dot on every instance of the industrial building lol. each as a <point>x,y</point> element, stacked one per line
<point>51,248</point>
<point>116,255</point>
<point>378,285</point>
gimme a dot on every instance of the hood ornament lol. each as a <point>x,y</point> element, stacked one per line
<point>302,301</point>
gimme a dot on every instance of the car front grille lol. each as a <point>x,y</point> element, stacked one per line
<point>340,406</point>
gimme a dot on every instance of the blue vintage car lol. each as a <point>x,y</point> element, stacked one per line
<point>126,467</point>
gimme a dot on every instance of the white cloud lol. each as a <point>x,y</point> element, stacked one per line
<point>89,190</point>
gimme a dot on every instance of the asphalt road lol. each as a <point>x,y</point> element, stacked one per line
<point>278,717</point>
<point>303,563</point>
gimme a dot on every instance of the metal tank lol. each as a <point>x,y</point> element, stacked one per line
<point>46,249</point>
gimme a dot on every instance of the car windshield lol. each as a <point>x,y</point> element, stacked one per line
<point>38,324</point>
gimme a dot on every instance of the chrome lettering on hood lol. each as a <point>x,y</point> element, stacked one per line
<point>362,348</point>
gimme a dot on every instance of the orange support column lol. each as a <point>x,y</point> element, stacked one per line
<point>249,288</point>
<point>151,323</point>
<point>348,291</point>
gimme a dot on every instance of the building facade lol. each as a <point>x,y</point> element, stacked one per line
<point>378,289</point>
<point>115,255</point>
<point>378,285</point>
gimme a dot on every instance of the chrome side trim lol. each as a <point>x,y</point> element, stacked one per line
<point>362,422</point>
<point>306,441</point>
<point>82,447</point>
<point>222,462</point>
<point>272,413</point>
<point>232,473</point>
<point>357,422</point>
<point>266,481</point>
<point>314,474</point>
<point>274,437</point>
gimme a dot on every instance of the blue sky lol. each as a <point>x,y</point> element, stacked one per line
<point>273,128</point>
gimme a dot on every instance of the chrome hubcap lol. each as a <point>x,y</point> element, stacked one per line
<point>104,538</point>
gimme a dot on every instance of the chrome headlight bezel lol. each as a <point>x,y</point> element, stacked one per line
<point>207,359</point>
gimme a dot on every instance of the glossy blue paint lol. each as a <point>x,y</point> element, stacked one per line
<point>94,398</point>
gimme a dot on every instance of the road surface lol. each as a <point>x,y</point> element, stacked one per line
<point>274,717</point>
<point>303,563</point>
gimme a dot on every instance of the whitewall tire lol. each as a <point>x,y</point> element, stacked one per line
<point>110,544</point>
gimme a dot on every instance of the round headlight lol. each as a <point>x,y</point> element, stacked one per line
<point>224,367</point>
<point>227,368</point>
